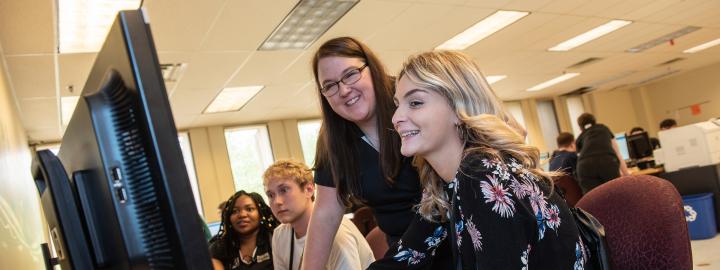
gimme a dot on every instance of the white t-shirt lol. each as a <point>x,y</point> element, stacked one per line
<point>350,250</point>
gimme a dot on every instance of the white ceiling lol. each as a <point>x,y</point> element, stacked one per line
<point>217,39</point>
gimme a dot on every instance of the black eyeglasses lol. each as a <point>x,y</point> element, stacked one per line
<point>349,78</point>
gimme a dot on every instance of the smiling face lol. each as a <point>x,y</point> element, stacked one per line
<point>288,201</point>
<point>245,218</point>
<point>354,102</point>
<point>425,121</point>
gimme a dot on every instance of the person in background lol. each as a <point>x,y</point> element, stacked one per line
<point>483,193</point>
<point>668,124</point>
<point>599,159</point>
<point>290,190</point>
<point>654,142</point>
<point>243,241</point>
<point>358,156</point>
<point>564,159</point>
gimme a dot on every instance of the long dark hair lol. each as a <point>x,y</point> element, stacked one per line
<point>338,141</point>
<point>229,240</point>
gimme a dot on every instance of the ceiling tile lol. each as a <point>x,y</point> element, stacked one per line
<point>244,25</point>
<point>181,25</point>
<point>211,71</point>
<point>74,71</point>
<point>42,113</point>
<point>191,101</point>
<point>415,28</point>
<point>32,76</point>
<point>26,27</point>
<point>265,67</point>
<point>357,22</point>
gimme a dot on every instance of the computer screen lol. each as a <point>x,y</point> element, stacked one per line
<point>639,145</point>
<point>214,227</point>
<point>622,145</point>
<point>118,196</point>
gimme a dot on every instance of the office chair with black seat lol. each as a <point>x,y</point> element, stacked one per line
<point>644,223</point>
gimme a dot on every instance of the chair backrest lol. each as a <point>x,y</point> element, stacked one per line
<point>364,220</point>
<point>569,188</point>
<point>644,223</point>
<point>378,242</point>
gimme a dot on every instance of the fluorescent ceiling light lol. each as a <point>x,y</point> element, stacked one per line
<point>67,107</point>
<point>663,39</point>
<point>306,23</point>
<point>495,78</point>
<point>84,24</point>
<point>232,98</point>
<point>703,46</point>
<point>590,35</point>
<point>554,81</point>
<point>482,29</point>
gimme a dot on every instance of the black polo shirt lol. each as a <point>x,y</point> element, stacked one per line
<point>595,141</point>
<point>392,206</point>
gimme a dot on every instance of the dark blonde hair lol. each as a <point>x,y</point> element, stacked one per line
<point>289,170</point>
<point>485,126</point>
<point>338,140</point>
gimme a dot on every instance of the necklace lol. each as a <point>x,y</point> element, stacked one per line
<point>247,259</point>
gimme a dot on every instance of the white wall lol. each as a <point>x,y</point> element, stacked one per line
<point>670,98</point>
<point>647,105</point>
<point>21,224</point>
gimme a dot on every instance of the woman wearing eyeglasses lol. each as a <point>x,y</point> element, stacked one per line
<point>358,157</point>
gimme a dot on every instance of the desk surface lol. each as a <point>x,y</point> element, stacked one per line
<point>649,171</point>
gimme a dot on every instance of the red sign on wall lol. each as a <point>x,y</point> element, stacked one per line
<point>695,109</point>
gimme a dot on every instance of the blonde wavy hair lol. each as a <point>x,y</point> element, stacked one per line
<point>485,126</point>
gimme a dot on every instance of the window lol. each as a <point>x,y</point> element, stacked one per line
<point>548,123</point>
<point>575,109</point>
<point>309,131</point>
<point>515,109</point>
<point>250,154</point>
<point>184,140</point>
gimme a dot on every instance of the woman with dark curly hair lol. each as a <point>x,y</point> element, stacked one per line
<point>243,241</point>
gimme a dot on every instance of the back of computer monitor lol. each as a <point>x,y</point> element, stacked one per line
<point>122,156</point>
<point>639,145</point>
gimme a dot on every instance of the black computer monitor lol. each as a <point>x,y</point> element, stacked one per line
<point>639,145</point>
<point>117,196</point>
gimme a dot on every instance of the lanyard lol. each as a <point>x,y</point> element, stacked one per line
<point>292,251</point>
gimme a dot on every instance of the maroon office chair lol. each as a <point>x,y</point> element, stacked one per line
<point>364,220</point>
<point>644,223</point>
<point>378,242</point>
<point>569,188</point>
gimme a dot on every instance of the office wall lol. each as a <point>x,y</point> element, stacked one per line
<point>647,105</point>
<point>21,226</point>
<point>615,109</point>
<point>672,97</point>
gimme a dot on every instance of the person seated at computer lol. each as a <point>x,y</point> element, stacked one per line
<point>290,190</point>
<point>564,159</point>
<point>668,124</point>
<point>654,142</point>
<point>244,239</point>
<point>599,159</point>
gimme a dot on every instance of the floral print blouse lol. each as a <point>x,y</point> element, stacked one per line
<point>506,218</point>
